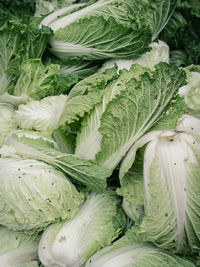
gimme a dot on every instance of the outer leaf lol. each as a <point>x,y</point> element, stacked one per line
<point>7,120</point>
<point>41,115</point>
<point>8,46</point>
<point>36,135</point>
<point>82,171</point>
<point>140,255</point>
<point>86,94</point>
<point>169,118</point>
<point>38,81</point>
<point>124,41</point>
<point>83,68</point>
<point>135,110</point>
<point>51,18</point>
<point>14,100</point>
<point>65,140</point>
<point>132,187</point>
<point>129,159</point>
<point>158,15</point>
<point>178,58</point>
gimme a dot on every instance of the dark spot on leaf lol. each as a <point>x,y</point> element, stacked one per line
<point>86,92</point>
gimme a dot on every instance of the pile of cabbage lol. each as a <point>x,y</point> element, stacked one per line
<point>99,134</point>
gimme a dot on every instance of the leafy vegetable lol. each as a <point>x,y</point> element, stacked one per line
<point>17,249</point>
<point>88,140</point>
<point>38,81</point>
<point>129,251</point>
<point>191,91</point>
<point>18,41</point>
<point>7,120</point>
<point>99,102</point>
<point>182,31</point>
<point>98,222</point>
<point>33,194</point>
<point>171,164</point>
<point>125,29</point>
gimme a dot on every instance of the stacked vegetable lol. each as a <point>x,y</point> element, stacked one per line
<point>99,133</point>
